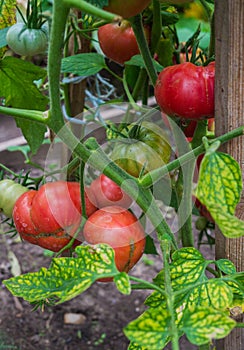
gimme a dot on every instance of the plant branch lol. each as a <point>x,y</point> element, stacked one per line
<point>93,10</point>
<point>137,26</point>
<point>32,115</point>
<point>155,175</point>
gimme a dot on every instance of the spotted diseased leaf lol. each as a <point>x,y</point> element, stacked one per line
<point>134,346</point>
<point>220,181</point>
<point>219,189</point>
<point>204,324</point>
<point>226,266</point>
<point>122,282</point>
<point>67,277</point>
<point>150,330</point>
<point>230,225</point>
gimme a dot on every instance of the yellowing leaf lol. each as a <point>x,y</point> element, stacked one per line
<point>204,324</point>
<point>220,181</point>
<point>150,330</point>
<point>219,189</point>
<point>68,277</point>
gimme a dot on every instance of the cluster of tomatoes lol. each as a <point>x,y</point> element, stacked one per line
<point>51,216</point>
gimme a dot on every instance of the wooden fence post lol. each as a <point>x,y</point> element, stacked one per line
<point>229,114</point>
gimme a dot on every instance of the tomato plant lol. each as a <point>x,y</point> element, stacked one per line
<point>120,229</point>
<point>114,107</point>
<point>50,216</point>
<point>186,90</point>
<point>27,41</point>
<point>127,8</point>
<point>146,148</point>
<point>118,41</point>
<point>106,193</point>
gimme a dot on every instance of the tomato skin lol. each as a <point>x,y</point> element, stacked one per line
<point>107,192</point>
<point>27,41</point>
<point>50,216</point>
<point>118,41</point>
<point>22,217</point>
<point>150,150</point>
<point>127,8</point>
<point>186,91</point>
<point>120,229</point>
<point>10,191</point>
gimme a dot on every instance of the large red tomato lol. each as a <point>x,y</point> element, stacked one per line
<point>127,8</point>
<point>186,90</point>
<point>50,216</point>
<point>118,41</point>
<point>120,229</point>
<point>106,192</point>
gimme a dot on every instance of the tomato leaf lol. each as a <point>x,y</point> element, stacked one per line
<point>135,346</point>
<point>203,324</point>
<point>84,64</point>
<point>68,277</point>
<point>188,276</point>
<point>150,330</point>
<point>137,60</point>
<point>19,90</point>
<point>219,189</point>
<point>226,266</point>
<point>98,3</point>
<point>122,282</point>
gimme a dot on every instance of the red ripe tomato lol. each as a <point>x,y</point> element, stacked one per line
<point>106,192</point>
<point>50,216</point>
<point>118,41</point>
<point>186,91</point>
<point>120,229</point>
<point>127,8</point>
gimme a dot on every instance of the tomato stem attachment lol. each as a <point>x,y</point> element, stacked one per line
<point>93,10</point>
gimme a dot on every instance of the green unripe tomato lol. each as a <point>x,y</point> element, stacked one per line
<point>26,41</point>
<point>10,191</point>
<point>149,150</point>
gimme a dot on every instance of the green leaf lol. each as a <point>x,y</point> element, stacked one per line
<point>84,64</point>
<point>137,60</point>
<point>17,84</point>
<point>204,324</point>
<point>150,330</point>
<point>219,189</point>
<point>68,277</point>
<point>226,266</point>
<point>18,88</point>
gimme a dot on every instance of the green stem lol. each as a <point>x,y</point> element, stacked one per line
<point>155,175</point>
<point>211,49</point>
<point>147,284</point>
<point>32,115</point>
<point>156,26</point>
<point>93,10</point>
<point>137,26</point>
<point>139,83</point>
<point>169,295</point>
